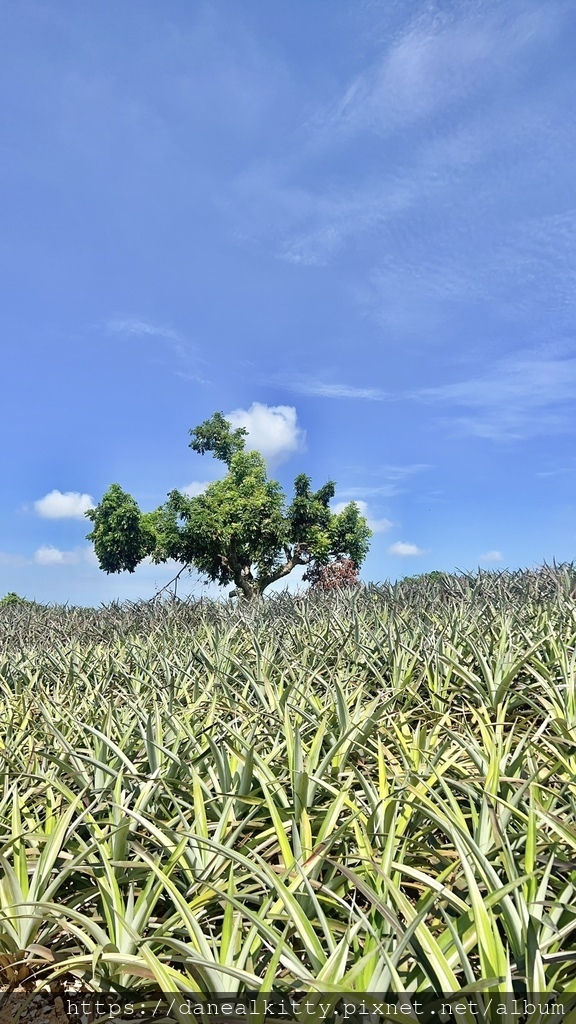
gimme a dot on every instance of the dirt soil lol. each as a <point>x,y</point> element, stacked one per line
<point>39,1012</point>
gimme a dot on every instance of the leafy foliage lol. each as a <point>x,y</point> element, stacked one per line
<point>215,435</point>
<point>14,599</point>
<point>122,538</point>
<point>239,531</point>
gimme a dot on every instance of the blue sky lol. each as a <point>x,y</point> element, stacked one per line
<point>350,225</point>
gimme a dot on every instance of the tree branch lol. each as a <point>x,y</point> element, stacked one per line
<point>174,580</point>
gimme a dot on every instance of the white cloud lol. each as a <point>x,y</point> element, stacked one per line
<point>491,556</point>
<point>48,555</point>
<point>376,525</point>
<point>272,430</point>
<point>195,488</point>
<point>67,505</point>
<point>404,550</point>
<point>89,556</point>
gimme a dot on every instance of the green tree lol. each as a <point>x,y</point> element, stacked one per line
<point>239,531</point>
<point>13,599</point>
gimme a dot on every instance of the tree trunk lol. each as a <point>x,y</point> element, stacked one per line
<point>246,585</point>
<point>248,590</point>
<point>251,589</point>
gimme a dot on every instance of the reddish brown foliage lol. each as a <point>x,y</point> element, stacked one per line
<point>341,573</point>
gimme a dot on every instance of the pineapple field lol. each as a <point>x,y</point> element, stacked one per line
<point>368,790</point>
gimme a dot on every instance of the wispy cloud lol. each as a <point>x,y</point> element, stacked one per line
<point>523,270</point>
<point>67,505</point>
<point>311,226</point>
<point>523,395</point>
<point>361,491</point>
<point>444,86</point>
<point>558,471</point>
<point>337,217</point>
<point>401,472</point>
<point>131,325</point>
<point>437,61</point>
<point>322,389</point>
<point>192,377</point>
<point>143,328</point>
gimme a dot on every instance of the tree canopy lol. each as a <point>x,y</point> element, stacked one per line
<point>239,530</point>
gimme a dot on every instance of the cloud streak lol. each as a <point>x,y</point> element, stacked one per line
<point>360,492</point>
<point>141,328</point>
<point>131,325</point>
<point>401,472</point>
<point>439,61</point>
<point>523,395</point>
<point>324,389</point>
